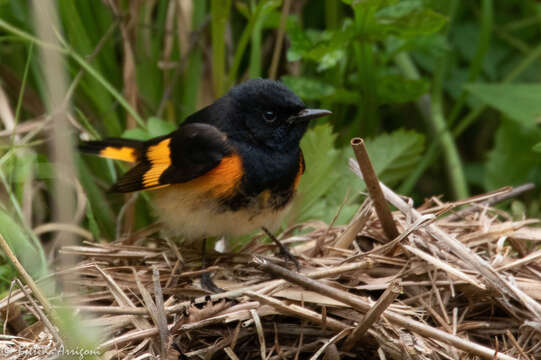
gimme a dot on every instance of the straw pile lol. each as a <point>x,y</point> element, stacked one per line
<point>455,284</point>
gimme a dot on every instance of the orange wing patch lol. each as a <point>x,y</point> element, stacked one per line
<point>124,153</point>
<point>222,180</point>
<point>159,156</point>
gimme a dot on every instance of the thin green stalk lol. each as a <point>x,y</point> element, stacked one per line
<point>332,11</point>
<point>365,66</point>
<point>437,123</point>
<point>110,88</point>
<point>193,76</point>
<point>487,15</point>
<point>455,170</point>
<point>243,43</point>
<point>23,83</point>
<point>81,61</point>
<point>20,215</point>
<point>433,114</point>
<point>279,39</point>
<point>219,15</point>
<point>534,55</point>
<point>434,150</point>
<point>29,37</point>
<point>255,48</point>
<point>513,41</point>
<point>522,23</point>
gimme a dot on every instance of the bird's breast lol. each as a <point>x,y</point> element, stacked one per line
<point>270,180</point>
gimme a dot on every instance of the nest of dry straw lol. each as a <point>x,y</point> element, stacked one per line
<point>455,284</point>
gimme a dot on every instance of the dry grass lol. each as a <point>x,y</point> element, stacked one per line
<point>457,287</point>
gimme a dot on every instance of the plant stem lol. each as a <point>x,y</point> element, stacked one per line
<point>433,114</point>
<point>243,43</point>
<point>192,80</point>
<point>219,15</point>
<point>434,149</point>
<point>365,66</point>
<point>476,66</point>
<point>279,40</point>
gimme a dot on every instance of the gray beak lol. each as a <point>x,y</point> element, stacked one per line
<point>308,114</point>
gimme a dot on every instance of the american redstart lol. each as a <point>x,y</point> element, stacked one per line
<point>230,168</point>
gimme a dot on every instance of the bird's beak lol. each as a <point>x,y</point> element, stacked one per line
<point>308,114</point>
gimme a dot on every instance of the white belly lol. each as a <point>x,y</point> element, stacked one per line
<point>194,216</point>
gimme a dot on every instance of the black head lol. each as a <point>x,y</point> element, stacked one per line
<point>271,113</point>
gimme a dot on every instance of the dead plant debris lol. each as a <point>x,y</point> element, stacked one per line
<point>465,287</point>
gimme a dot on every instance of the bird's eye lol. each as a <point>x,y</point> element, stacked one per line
<point>269,116</point>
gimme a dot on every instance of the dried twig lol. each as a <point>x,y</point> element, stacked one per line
<point>372,184</point>
<point>160,313</point>
<point>363,307</point>
<point>28,280</point>
<point>42,315</point>
<point>373,314</point>
<point>512,193</point>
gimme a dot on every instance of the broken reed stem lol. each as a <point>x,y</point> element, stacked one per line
<point>514,192</point>
<point>28,280</point>
<point>345,240</point>
<point>373,314</point>
<point>160,313</point>
<point>299,311</point>
<point>43,317</point>
<point>47,23</point>
<point>363,307</point>
<point>279,40</point>
<point>372,184</point>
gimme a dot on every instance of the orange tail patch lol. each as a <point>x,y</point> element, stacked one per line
<point>124,153</point>
<point>114,148</point>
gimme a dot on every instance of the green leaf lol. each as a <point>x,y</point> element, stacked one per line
<point>308,88</point>
<point>155,127</point>
<point>394,155</point>
<point>325,47</point>
<point>22,246</point>
<point>92,222</point>
<point>511,161</point>
<point>158,127</point>
<point>416,23</point>
<point>398,89</point>
<point>321,185</point>
<point>402,8</point>
<point>369,4</point>
<point>328,180</point>
<point>299,41</point>
<point>518,101</point>
<point>136,134</point>
<point>537,147</point>
<point>344,96</point>
<point>219,16</point>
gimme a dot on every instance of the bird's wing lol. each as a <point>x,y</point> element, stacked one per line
<point>196,154</point>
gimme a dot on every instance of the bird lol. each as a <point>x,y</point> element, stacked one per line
<point>230,168</point>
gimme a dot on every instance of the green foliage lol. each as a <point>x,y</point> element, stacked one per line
<point>328,183</point>
<point>462,75</point>
<point>155,127</point>
<point>520,102</point>
<point>511,161</point>
<point>394,155</point>
<point>28,254</point>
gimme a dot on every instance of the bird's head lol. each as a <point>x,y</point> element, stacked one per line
<point>270,113</point>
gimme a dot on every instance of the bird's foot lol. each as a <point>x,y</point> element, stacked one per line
<point>284,251</point>
<point>206,281</point>
<point>208,284</point>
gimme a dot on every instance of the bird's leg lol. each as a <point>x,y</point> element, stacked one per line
<point>284,252</point>
<point>206,281</point>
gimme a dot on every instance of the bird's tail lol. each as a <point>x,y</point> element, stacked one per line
<point>114,148</point>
